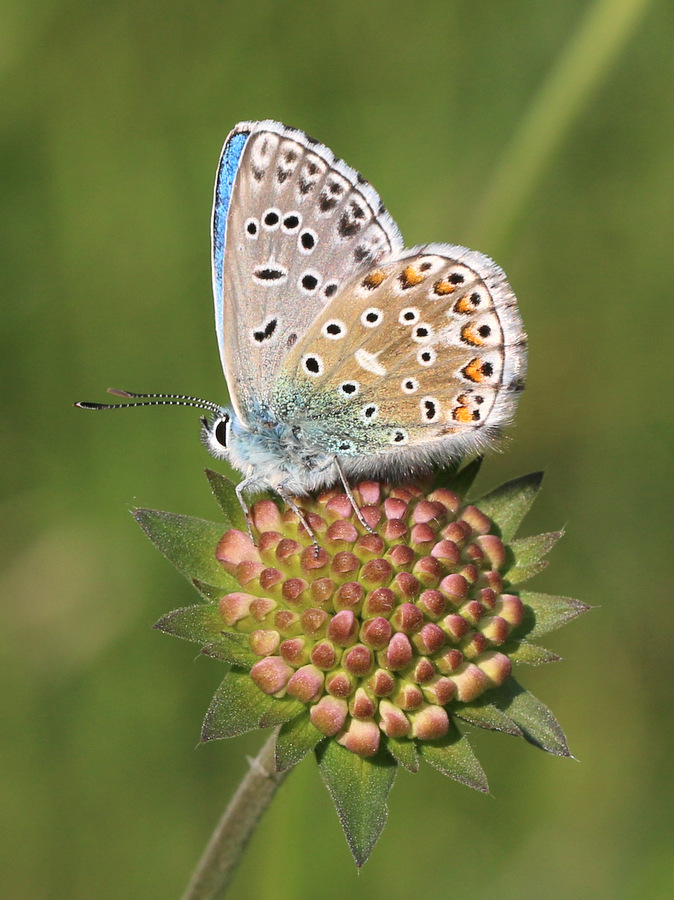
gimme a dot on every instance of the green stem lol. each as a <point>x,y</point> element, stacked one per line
<point>232,833</point>
<point>576,76</point>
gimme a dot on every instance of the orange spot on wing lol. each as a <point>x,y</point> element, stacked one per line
<point>464,304</point>
<point>462,414</point>
<point>410,276</point>
<point>444,287</point>
<point>470,336</point>
<point>473,371</point>
<point>373,280</point>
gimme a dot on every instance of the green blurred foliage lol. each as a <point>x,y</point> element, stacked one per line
<point>113,118</point>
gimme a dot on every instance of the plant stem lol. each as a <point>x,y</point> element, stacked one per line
<point>232,833</point>
<point>574,79</point>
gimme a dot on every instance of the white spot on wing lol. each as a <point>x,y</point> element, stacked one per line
<point>368,361</point>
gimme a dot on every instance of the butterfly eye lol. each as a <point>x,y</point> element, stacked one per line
<point>221,431</point>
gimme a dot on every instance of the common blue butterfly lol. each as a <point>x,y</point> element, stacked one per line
<point>346,355</point>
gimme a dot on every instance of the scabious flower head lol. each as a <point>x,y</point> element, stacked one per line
<point>373,643</point>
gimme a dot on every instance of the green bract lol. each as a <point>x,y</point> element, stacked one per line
<point>373,647</point>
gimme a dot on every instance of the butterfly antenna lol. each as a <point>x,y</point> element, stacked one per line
<point>151,400</point>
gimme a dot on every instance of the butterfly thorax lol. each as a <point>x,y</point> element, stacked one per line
<point>276,455</point>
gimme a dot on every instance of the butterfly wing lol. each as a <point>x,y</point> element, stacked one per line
<point>291,226</point>
<point>423,355</point>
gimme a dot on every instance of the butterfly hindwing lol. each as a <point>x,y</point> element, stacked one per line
<point>292,225</point>
<point>425,350</point>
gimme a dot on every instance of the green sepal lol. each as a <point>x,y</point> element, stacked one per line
<point>237,707</point>
<point>284,709</point>
<point>537,723</point>
<point>212,592</point>
<point>453,756</point>
<point>524,653</point>
<point>483,714</point>
<point>507,505</point>
<point>405,752</point>
<point>525,556</point>
<point>224,492</point>
<point>545,612</point>
<point>463,480</point>
<point>295,739</point>
<point>233,649</point>
<point>187,542</point>
<point>359,788</point>
<point>203,624</point>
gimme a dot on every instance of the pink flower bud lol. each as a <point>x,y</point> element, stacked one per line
<point>376,633</point>
<point>470,682</point>
<point>399,653</point>
<point>430,723</point>
<point>393,721</point>
<point>329,715</point>
<point>381,683</point>
<point>370,492</point>
<point>264,641</point>
<point>432,603</point>
<point>266,516</point>
<point>339,684</point>
<point>235,606</point>
<point>496,666</point>
<point>361,706</point>
<point>271,674</point>
<point>477,520</point>
<point>324,655</point>
<point>407,618</point>
<point>357,660</point>
<point>361,736</point>
<point>306,684</point>
<point>343,628</point>
<point>341,531</point>
<point>493,549</point>
<point>235,547</point>
<point>441,690</point>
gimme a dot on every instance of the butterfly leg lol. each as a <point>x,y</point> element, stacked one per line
<point>239,489</point>
<point>352,499</point>
<point>300,514</point>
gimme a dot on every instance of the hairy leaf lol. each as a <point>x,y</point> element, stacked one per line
<point>453,756</point>
<point>507,505</point>
<point>359,788</point>
<point>187,542</point>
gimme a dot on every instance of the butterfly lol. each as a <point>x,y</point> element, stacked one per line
<point>346,355</point>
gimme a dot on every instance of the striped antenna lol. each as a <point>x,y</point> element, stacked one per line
<point>152,400</point>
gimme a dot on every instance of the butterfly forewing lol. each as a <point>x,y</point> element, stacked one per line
<point>426,349</point>
<point>292,226</point>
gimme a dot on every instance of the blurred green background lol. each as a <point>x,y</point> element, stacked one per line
<point>540,133</point>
